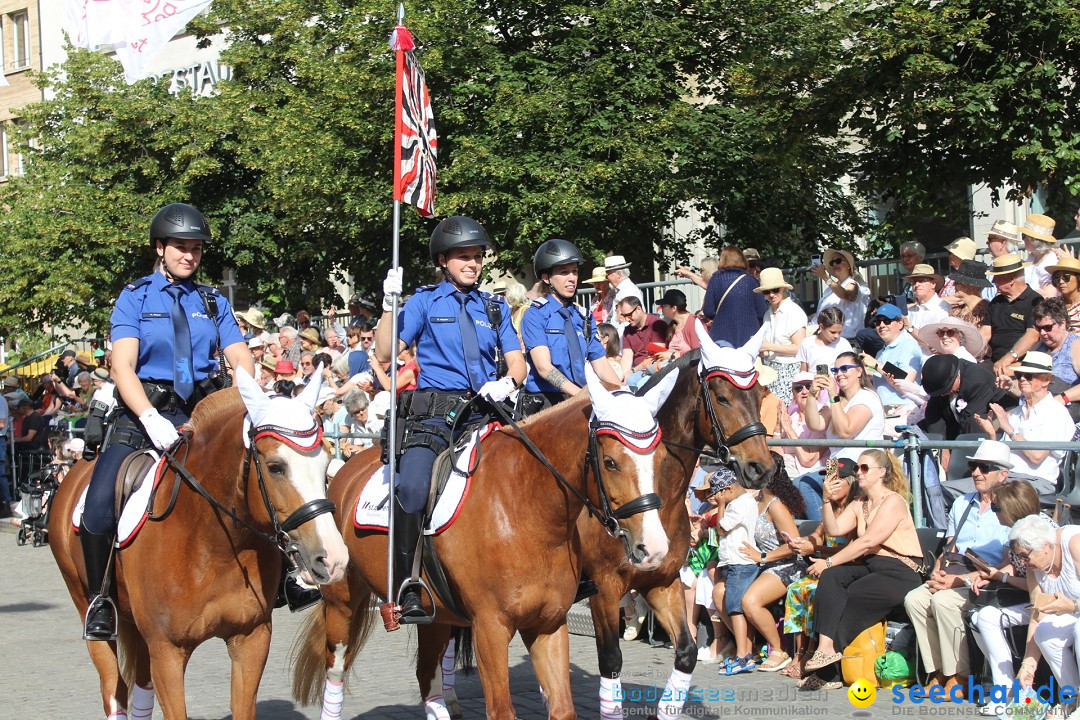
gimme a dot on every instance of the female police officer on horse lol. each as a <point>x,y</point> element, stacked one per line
<point>167,332</point>
<point>557,335</point>
<point>459,333</point>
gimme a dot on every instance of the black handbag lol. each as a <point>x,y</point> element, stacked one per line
<point>999,594</point>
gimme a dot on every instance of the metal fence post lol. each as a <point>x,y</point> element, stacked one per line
<point>911,446</point>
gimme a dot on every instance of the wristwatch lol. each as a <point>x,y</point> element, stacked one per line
<point>763,561</point>
<point>1015,356</point>
<point>828,562</point>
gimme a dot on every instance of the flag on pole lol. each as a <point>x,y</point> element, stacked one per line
<point>415,139</point>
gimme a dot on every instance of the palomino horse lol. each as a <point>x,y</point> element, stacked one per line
<point>512,557</point>
<point>716,404</point>
<point>212,566</point>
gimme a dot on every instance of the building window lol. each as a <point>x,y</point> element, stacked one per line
<point>3,152</point>
<point>20,40</point>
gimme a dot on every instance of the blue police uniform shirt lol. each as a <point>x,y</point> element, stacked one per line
<point>142,312</point>
<point>430,319</point>
<point>542,326</point>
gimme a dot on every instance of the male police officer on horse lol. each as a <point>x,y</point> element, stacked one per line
<point>166,335</point>
<point>460,334</point>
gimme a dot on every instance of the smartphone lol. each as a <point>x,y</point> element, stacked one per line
<point>787,538</point>
<point>895,370</point>
<point>899,301</point>
<point>815,260</point>
<point>823,369</point>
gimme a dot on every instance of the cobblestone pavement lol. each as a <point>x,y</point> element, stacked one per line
<point>47,673</point>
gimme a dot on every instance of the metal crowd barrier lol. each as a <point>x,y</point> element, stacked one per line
<point>911,446</point>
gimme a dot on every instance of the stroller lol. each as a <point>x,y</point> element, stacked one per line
<point>37,490</point>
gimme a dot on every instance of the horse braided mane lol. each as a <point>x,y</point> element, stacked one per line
<point>213,408</point>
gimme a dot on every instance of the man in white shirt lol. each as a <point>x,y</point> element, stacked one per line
<point>618,276</point>
<point>928,307</point>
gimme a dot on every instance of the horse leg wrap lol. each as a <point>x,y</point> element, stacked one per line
<point>142,703</point>
<point>118,715</point>
<point>543,696</point>
<point>435,708</point>
<point>332,698</point>
<point>674,697</point>
<point>449,659</point>
<point>611,698</point>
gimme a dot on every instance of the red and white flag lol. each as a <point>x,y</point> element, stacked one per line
<point>137,30</point>
<point>415,139</point>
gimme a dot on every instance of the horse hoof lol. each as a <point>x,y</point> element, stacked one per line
<point>452,704</point>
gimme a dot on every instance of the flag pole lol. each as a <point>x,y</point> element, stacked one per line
<point>391,435</point>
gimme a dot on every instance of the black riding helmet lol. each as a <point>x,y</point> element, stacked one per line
<point>457,231</point>
<point>179,221</point>
<point>553,253</point>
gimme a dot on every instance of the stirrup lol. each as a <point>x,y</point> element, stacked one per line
<point>95,603</point>
<point>424,619</point>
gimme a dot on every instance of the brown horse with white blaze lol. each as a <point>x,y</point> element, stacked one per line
<point>719,406</point>
<point>249,485</point>
<point>512,557</point>
<point>715,403</point>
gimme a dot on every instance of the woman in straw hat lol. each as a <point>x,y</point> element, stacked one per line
<point>1039,416</point>
<point>1065,275</point>
<point>601,307</point>
<point>845,288</point>
<point>953,336</point>
<point>1041,246</point>
<point>785,329</point>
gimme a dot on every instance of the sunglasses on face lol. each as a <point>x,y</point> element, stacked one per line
<point>837,261</point>
<point>1026,375</point>
<point>1045,328</point>
<point>1063,276</point>
<point>773,291</point>
<point>367,338</point>
<point>882,320</point>
<point>799,387</point>
<point>984,468</point>
<point>948,332</point>
<point>864,468</point>
<point>843,369</point>
<point>628,315</point>
<point>1025,556</point>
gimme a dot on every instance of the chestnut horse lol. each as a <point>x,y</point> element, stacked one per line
<point>211,566</point>
<point>513,557</point>
<point>715,402</point>
<point>719,406</point>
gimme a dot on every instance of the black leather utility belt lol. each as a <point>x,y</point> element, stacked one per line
<point>415,406</point>
<point>529,403</point>
<point>161,395</point>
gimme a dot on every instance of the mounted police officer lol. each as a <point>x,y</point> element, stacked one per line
<point>460,334</point>
<point>558,335</point>
<point>167,333</point>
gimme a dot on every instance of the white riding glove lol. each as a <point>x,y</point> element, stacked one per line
<point>391,288</point>
<point>497,390</point>
<point>160,431</point>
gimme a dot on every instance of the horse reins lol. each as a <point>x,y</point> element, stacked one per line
<point>604,514</point>
<point>280,537</point>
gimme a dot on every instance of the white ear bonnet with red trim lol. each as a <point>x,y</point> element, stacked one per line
<point>291,419</point>
<point>735,364</point>
<point>629,417</point>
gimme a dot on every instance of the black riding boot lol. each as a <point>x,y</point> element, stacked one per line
<point>406,535</point>
<point>100,619</point>
<point>292,593</point>
<point>586,588</point>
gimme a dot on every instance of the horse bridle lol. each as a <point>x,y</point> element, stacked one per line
<point>608,517</point>
<point>280,536</point>
<point>724,442</point>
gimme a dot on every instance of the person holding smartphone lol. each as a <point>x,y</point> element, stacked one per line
<point>900,359</point>
<point>853,410</point>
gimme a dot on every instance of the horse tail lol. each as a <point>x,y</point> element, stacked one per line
<point>126,637</point>
<point>308,652</point>
<point>466,659</point>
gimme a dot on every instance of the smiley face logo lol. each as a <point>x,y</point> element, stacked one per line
<point>861,694</point>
